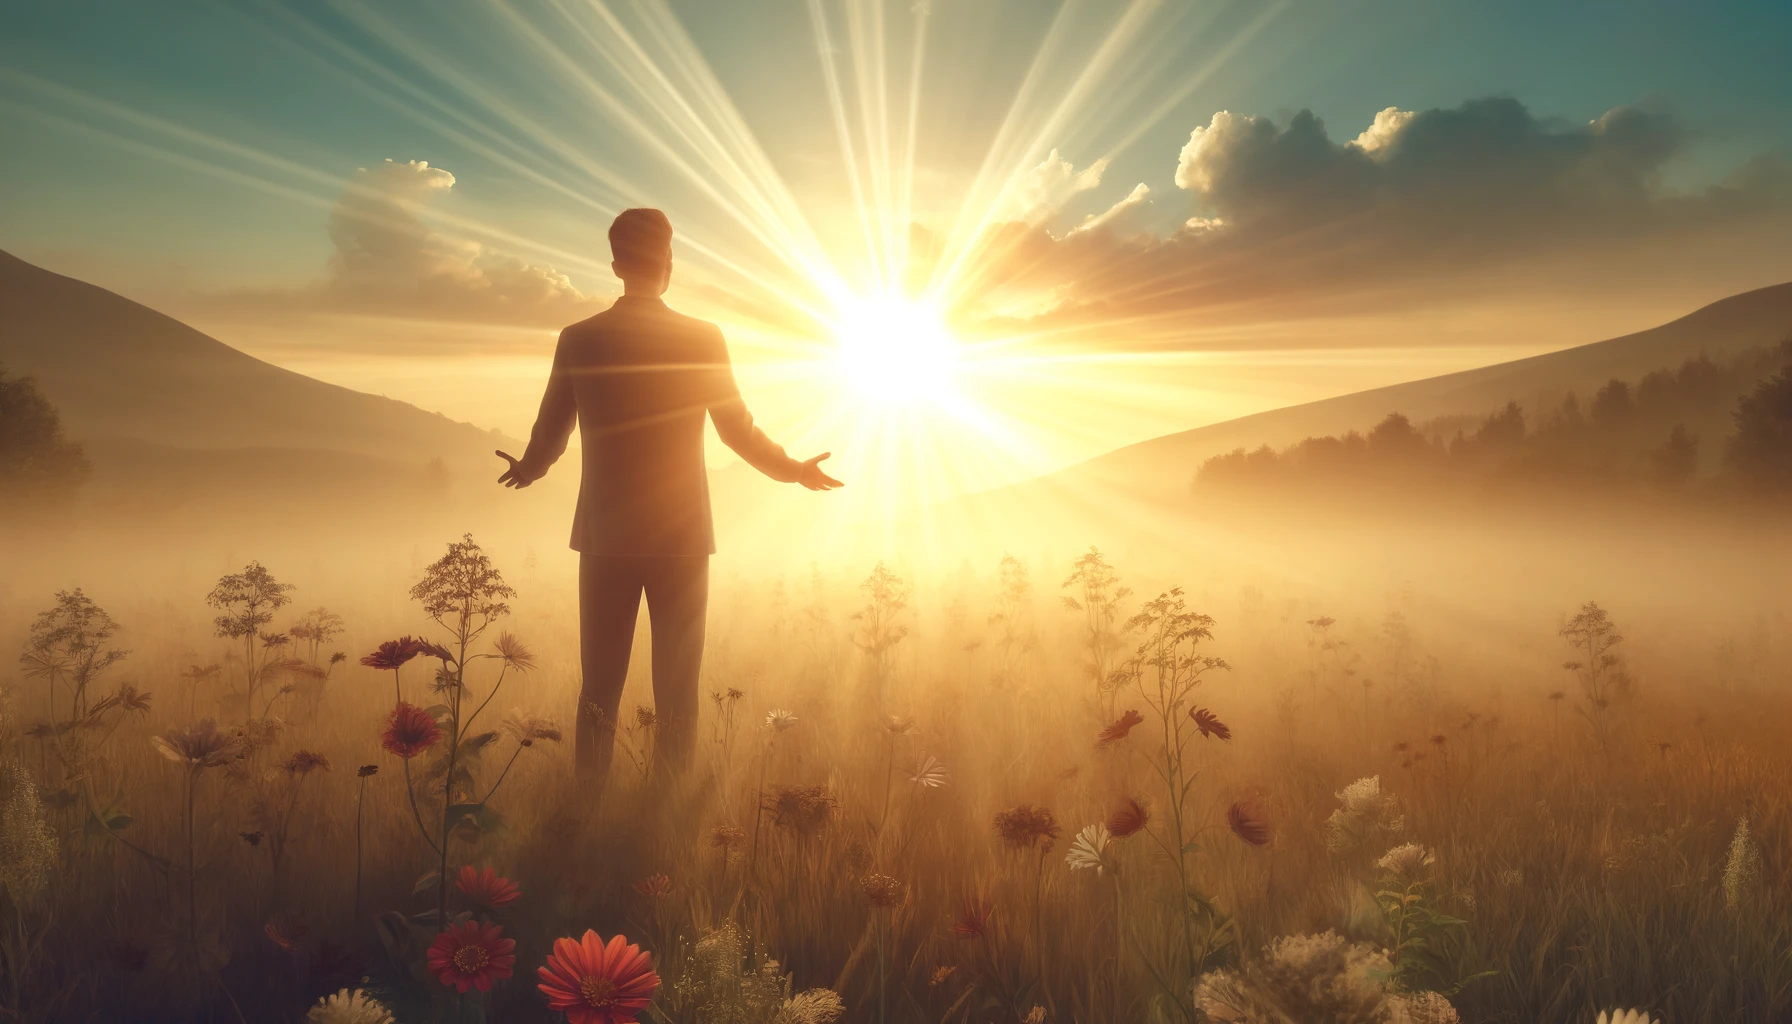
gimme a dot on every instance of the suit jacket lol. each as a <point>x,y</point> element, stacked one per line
<point>639,378</point>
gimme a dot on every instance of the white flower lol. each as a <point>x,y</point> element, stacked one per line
<point>780,719</point>
<point>347,1007</point>
<point>1366,813</point>
<point>816,1006</point>
<point>1090,850</point>
<point>1742,872</point>
<point>1625,1017</point>
<point>1406,860</point>
<point>930,773</point>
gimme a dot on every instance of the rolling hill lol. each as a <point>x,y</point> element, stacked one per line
<point>1162,467</point>
<point>143,391</point>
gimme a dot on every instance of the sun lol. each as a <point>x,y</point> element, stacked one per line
<point>895,351</point>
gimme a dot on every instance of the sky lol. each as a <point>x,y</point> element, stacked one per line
<point>992,236</point>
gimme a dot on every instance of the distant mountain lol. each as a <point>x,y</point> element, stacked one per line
<point>132,384</point>
<point>1164,466</point>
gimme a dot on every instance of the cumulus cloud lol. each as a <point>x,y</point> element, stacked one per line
<point>1418,203</point>
<point>1128,215</point>
<point>387,259</point>
<point>1044,189</point>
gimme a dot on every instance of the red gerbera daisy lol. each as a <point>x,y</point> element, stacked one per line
<point>410,731</point>
<point>1130,819</point>
<point>597,983</point>
<point>1248,823</point>
<point>1119,728</point>
<point>471,955</point>
<point>393,653</point>
<point>973,920</point>
<point>487,888</point>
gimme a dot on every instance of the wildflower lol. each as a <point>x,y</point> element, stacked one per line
<point>644,716</point>
<point>1209,724</point>
<point>1365,813</point>
<point>197,746</point>
<point>1247,823</point>
<point>1421,1008</point>
<point>653,886</point>
<point>882,890</point>
<point>726,837</point>
<point>1406,860</point>
<point>27,843</point>
<point>896,725</point>
<point>941,974</point>
<point>512,652</point>
<point>780,719</point>
<point>1625,1017</point>
<point>597,983</point>
<point>347,1007</point>
<point>392,654</point>
<point>930,773</point>
<point>286,933</point>
<point>275,639</point>
<point>815,1006</point>
<point>471,955</point>
<point>410,731</point>
<point>252,838</point>
<point>304,762</point>
<point>527,728</point>
<point>1036,1015</point>
<point>973,920</point>
<point>1321,977</point>
<point>1129,820</point>
<point>1117,730</point>
<point>1742,871</point>
<point>1025,826</point>
<point>486,888</point>
<point>1090,850</point>
<point>367,769</point>
<point>804,810</point>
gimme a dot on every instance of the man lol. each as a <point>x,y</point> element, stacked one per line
<point>639,378</point>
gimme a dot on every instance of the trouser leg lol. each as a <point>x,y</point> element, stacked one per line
<point>609,598</point>
<point>677,602</point>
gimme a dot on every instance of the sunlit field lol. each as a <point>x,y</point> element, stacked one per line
<point>1019,791</point>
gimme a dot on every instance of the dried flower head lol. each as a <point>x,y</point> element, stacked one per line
<point>804,810</point>
<point>512,652</point>
<point>882,890</point>
<point>1742,869</point>
<point>972,921</point>
<point>896,725</point>
<point>1248,823</point>
<point>1025,826</point>
<point>1036,1015</point>
<point>727,837</point>
<point>929,773</point>
<point>1117,729</point>
<point>410,731</point>
<point>1406,861</point>
<point>198,746</point>
<point>644,716</point>
<point>815,1006</point>
<point>526,728</point>
<point>304,762</point>
<point>1129,819</point>
<point>367,769</point>
<point>252,838</point>
<point>653,886</point>
<point>1209,724</point>
<point>27,842</point>
<point>941,974</point>
<point>780,719</point>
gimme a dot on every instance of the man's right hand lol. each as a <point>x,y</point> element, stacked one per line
<point>812,477</point>
<point>515,475</point>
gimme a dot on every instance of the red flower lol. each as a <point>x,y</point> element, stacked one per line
<point>410,731</point>
<point>487,888</point>
<point>1209,723</point>
<point>393,653</point>
<point>1130,819</point>
<point>597,983</point>
<point>653,885</point>
<point>973,920</point>
<point>1118,730</point>
<point>1248,823</point>
<point>471,955</point>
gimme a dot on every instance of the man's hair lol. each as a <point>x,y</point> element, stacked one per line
<point>641,238</point>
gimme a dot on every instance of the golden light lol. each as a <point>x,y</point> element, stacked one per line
<point>896,351</point>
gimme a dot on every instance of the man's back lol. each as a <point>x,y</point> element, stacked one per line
<point>640,378</point>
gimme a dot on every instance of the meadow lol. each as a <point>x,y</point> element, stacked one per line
<point>1056,789</point>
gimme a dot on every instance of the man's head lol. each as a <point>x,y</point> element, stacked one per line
<point>641,250</point>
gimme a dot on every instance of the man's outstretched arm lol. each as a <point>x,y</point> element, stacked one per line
<point>553,427</point>
<point>735,426</point>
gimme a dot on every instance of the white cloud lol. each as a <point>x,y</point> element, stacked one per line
<point>1127,215</point>
<point>1044,189</point>
<point>1382,132</point>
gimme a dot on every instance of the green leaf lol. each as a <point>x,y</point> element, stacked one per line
<point>429,880</point>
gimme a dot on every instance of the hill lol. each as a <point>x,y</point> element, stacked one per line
<point>134,384</point>
<point>1162,467</point>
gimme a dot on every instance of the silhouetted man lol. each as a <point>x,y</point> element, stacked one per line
<point>639,378</point>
